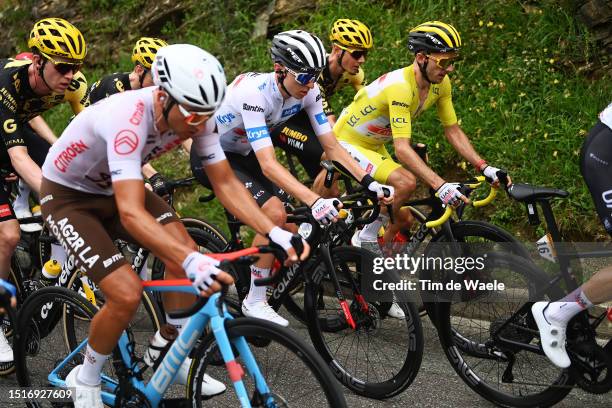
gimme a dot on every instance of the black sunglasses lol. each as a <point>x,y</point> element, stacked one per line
<point>66,68</point>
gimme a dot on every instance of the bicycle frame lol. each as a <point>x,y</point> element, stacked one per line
<point>215,313</point>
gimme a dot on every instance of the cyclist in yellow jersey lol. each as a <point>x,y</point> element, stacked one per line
<point>383,112</point>
<point>27,89</point>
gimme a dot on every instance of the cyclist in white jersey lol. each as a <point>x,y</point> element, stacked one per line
<point>93,192</point>
<point>257,102</point>
<point>552,318</point>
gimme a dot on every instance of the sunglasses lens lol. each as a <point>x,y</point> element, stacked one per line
<point>66,68</point>
<point>305,79</point>
<point>359,54</point>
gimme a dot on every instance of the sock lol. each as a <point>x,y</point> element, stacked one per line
<point>89,374</point>
<point>370,232</point>
<point>178,323</point>
<point>563,310</point>
<point>58,253</point>
<point>257,293</point>
<point>22,200</point>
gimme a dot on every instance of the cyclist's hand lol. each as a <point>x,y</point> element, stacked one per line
<point>10,177</point>
<point>493,174</point>
<point>449,193</point>
<point>384,192</point>
<point>202,271</point>
<point>325,210</point>
<point>158,182</point>
<point>293,244</point>
<point>8,288</point>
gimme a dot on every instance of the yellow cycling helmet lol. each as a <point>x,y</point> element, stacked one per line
<point>56,37</point>
<point>434,36</point>
<point>145,49</point>
<point>352,34</point>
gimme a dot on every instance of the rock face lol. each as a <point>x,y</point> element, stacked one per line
<point>597,16</point>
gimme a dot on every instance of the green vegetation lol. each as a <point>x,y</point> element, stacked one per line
<point>519,93</point>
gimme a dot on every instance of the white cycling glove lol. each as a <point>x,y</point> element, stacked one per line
<point>281,237</point>
<point>491,172</point>
<point>449,193</point>
<point>324,210</point>
<point>379,189</point>
<point>201,270</point>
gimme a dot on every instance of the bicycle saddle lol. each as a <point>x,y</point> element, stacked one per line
<point>527,192</point>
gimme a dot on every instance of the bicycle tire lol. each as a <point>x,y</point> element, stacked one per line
<point>462,232</point>
<point>395,370</point>
<point>478,360</point>
<point>201,224</point>
<point>315,371</point>
<point>28,346</point>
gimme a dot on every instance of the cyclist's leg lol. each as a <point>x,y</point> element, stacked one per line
<point>79,221</point>
<point>9,237</point>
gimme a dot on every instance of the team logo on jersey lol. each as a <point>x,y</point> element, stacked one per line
<point>226,118</point>
<point>5,210</point>
<point>321,118</point>
<point>252,108</point>
<point>257,133</point>
<point>9,126</point>
<point>138,114</point>
<point>68,154</point>
<point>292,110</point>
<point>126,142</point>
<point>401,104</point>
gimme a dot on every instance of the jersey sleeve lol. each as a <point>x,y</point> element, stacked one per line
<point>254,119</point>
<point>77,93</point>
<point>207,145</point>
<point>326,107</point>
<point>11,128</point>
<point>125,140</point>
<point>313,106</point>
<point>446,111</point>
<point>399,98</point>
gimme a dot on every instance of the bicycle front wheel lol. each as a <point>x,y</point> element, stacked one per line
<point>381,356</point>
<point>294,373</point>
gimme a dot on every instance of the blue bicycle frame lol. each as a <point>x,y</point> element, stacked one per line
<point>178,352</point>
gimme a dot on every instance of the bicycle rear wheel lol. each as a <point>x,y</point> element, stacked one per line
<point>504,374</point>
<point>39,343</point>
<point>380,357</point>
<point>295,374</point>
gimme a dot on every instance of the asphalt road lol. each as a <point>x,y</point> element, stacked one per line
<point>436,385</point>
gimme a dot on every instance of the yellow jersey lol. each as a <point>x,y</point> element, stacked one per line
<point>384,109</point>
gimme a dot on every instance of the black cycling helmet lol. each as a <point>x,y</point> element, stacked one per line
<point>299,51</point>
<point>434,36</point>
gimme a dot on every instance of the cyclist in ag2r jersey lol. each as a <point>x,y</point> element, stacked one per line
<point>93,193</point>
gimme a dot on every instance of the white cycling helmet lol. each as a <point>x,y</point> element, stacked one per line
<point>299,51</point>
<point>190,75</point>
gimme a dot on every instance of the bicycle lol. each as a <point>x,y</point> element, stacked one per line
<point>502,337</point>
<point>233,338</point>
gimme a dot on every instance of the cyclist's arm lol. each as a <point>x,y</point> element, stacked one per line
<point>42,129</point>
<point>130,199</point>
<point>25,167</point>
<point>236,198</point>
<point>280,176</point>
<point>77,94</point>
<point>334,151</point>
<point>148,170</point>
<point>459,140</point>
<point>409,158</point>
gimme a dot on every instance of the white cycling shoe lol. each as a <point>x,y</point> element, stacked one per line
<point>262,310</point>
<point>6,353</point>
<point>83,396</point>
<point>396,312</point>
<point>552,336</point>
<point>34,227</point>
<point>210,386</point>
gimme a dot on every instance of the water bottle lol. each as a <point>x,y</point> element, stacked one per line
<point>50,272</point>
<point>160,343</point>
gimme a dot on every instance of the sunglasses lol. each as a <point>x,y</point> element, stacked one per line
<point>304,78</point>
<point>444,63</point>
<point>356,54</point>
<point>194,118</point>
<point>64,68</point>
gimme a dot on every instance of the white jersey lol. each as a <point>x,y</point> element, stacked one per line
<point>606,116</point>
<point>253,104</point>
<point>111,140</point>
